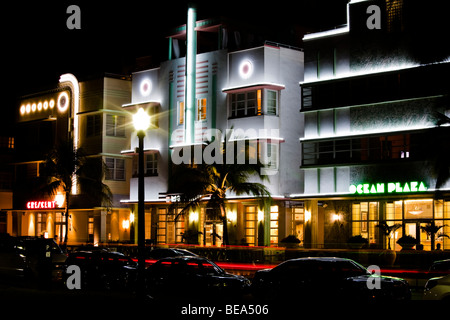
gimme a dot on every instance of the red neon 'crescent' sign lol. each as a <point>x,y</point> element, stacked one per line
<point>47,204</point>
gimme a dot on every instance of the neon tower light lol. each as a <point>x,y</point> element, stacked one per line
<point>190,75</point>
<point>73,83</point>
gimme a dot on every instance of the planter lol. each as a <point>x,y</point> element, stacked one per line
<point>355,245</point>
<point>288,245</point>
<point>408,246</point>
<point>407,242</point>
<point>357,242</point>
<point>387,257</point>
<point>290,241</point>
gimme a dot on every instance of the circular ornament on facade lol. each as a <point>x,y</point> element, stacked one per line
<point>63,102</point>
<point>246,69</point>
<point>145,87</point>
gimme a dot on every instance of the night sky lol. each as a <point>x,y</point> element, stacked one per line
<point>38,47</point>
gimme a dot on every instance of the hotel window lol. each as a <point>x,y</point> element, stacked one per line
<point>365,216</point>
<point>115,125</point>
<point>3,218</point>
<point>201,109</point>
<point>298,218</point>
<point>7,142</point>
<point>91,229</point>
<point>60,225</point>
<point>162,226</point>
<point>41,224</point>
<point>246,104</point>
<point>273,225</point>
<point>272,154</point>
<point>179,227</point>
<point>116,169</point>
<point>272,102</point>
<point>151,164</point>
<point>93,125</point>
<point>251,218</point>
<point>180,112</point>
<point>394,10</point>
<point>384,148</point>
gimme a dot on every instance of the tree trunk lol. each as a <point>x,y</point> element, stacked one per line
<point>432,235</point>
<point>66,222</point>
<point>225,225</point>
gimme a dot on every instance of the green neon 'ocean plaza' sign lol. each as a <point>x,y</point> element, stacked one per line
<point>390,187</point>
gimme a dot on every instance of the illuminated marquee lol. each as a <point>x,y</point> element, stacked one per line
<point>44,106</point>
<point>391,187</point>
<point>47,204</point>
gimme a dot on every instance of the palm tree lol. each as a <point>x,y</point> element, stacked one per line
<point>387,230</point>
<point>431,230</point>
<point>64,165</point>
<point>211,182</point>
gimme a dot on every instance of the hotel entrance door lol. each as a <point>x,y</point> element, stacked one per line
<point>415,229</point>
<point>213,233</point>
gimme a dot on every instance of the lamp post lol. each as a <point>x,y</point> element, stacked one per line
<point>141,121</point>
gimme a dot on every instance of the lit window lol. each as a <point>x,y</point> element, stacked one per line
<point>259,102</point>
<point>201,109</point>
<point>115,125</point>
<point>180,112</point>
<point>273,225</point>
<point>250,225</point>
<point>251,103</point>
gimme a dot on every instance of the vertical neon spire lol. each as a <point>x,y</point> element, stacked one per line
<point>191,53</point>
<point>70,78</point>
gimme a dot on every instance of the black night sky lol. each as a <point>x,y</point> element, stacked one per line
<point>38,47</point>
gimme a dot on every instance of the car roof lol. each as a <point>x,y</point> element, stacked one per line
<point>442,261</point>
<point>325,259</point>
<point>186,258</point>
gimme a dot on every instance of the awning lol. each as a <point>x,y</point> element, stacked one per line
<point>254,86</point>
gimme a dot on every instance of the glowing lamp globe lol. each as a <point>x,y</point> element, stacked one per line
<point>141,120</point>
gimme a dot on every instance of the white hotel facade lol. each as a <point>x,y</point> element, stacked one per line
<point>255,92</point>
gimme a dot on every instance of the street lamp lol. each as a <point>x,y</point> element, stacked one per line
<point>141,121</point>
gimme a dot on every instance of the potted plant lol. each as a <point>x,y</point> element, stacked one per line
<point>388,256</point>
<point>190,236</point>
<point>290,241</point>
<point>357,242</point>
<point>432,231</point>
<point>407,242</point>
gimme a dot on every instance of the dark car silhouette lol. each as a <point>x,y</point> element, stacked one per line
<point>191,278</point>
<point>103,269</point>
<point>30,258</point>
<point>323,278</point>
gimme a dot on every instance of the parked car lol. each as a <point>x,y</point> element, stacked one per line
<point>103,269</point>
<point>191,277</point>
<point>325,278</point>
<point>31,258</point>
<point>437,288</point>
<point>159,253</point>
<point>439,268</point>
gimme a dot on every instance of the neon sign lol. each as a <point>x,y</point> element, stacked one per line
<point>390,187</point>
<point>47,204</point>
